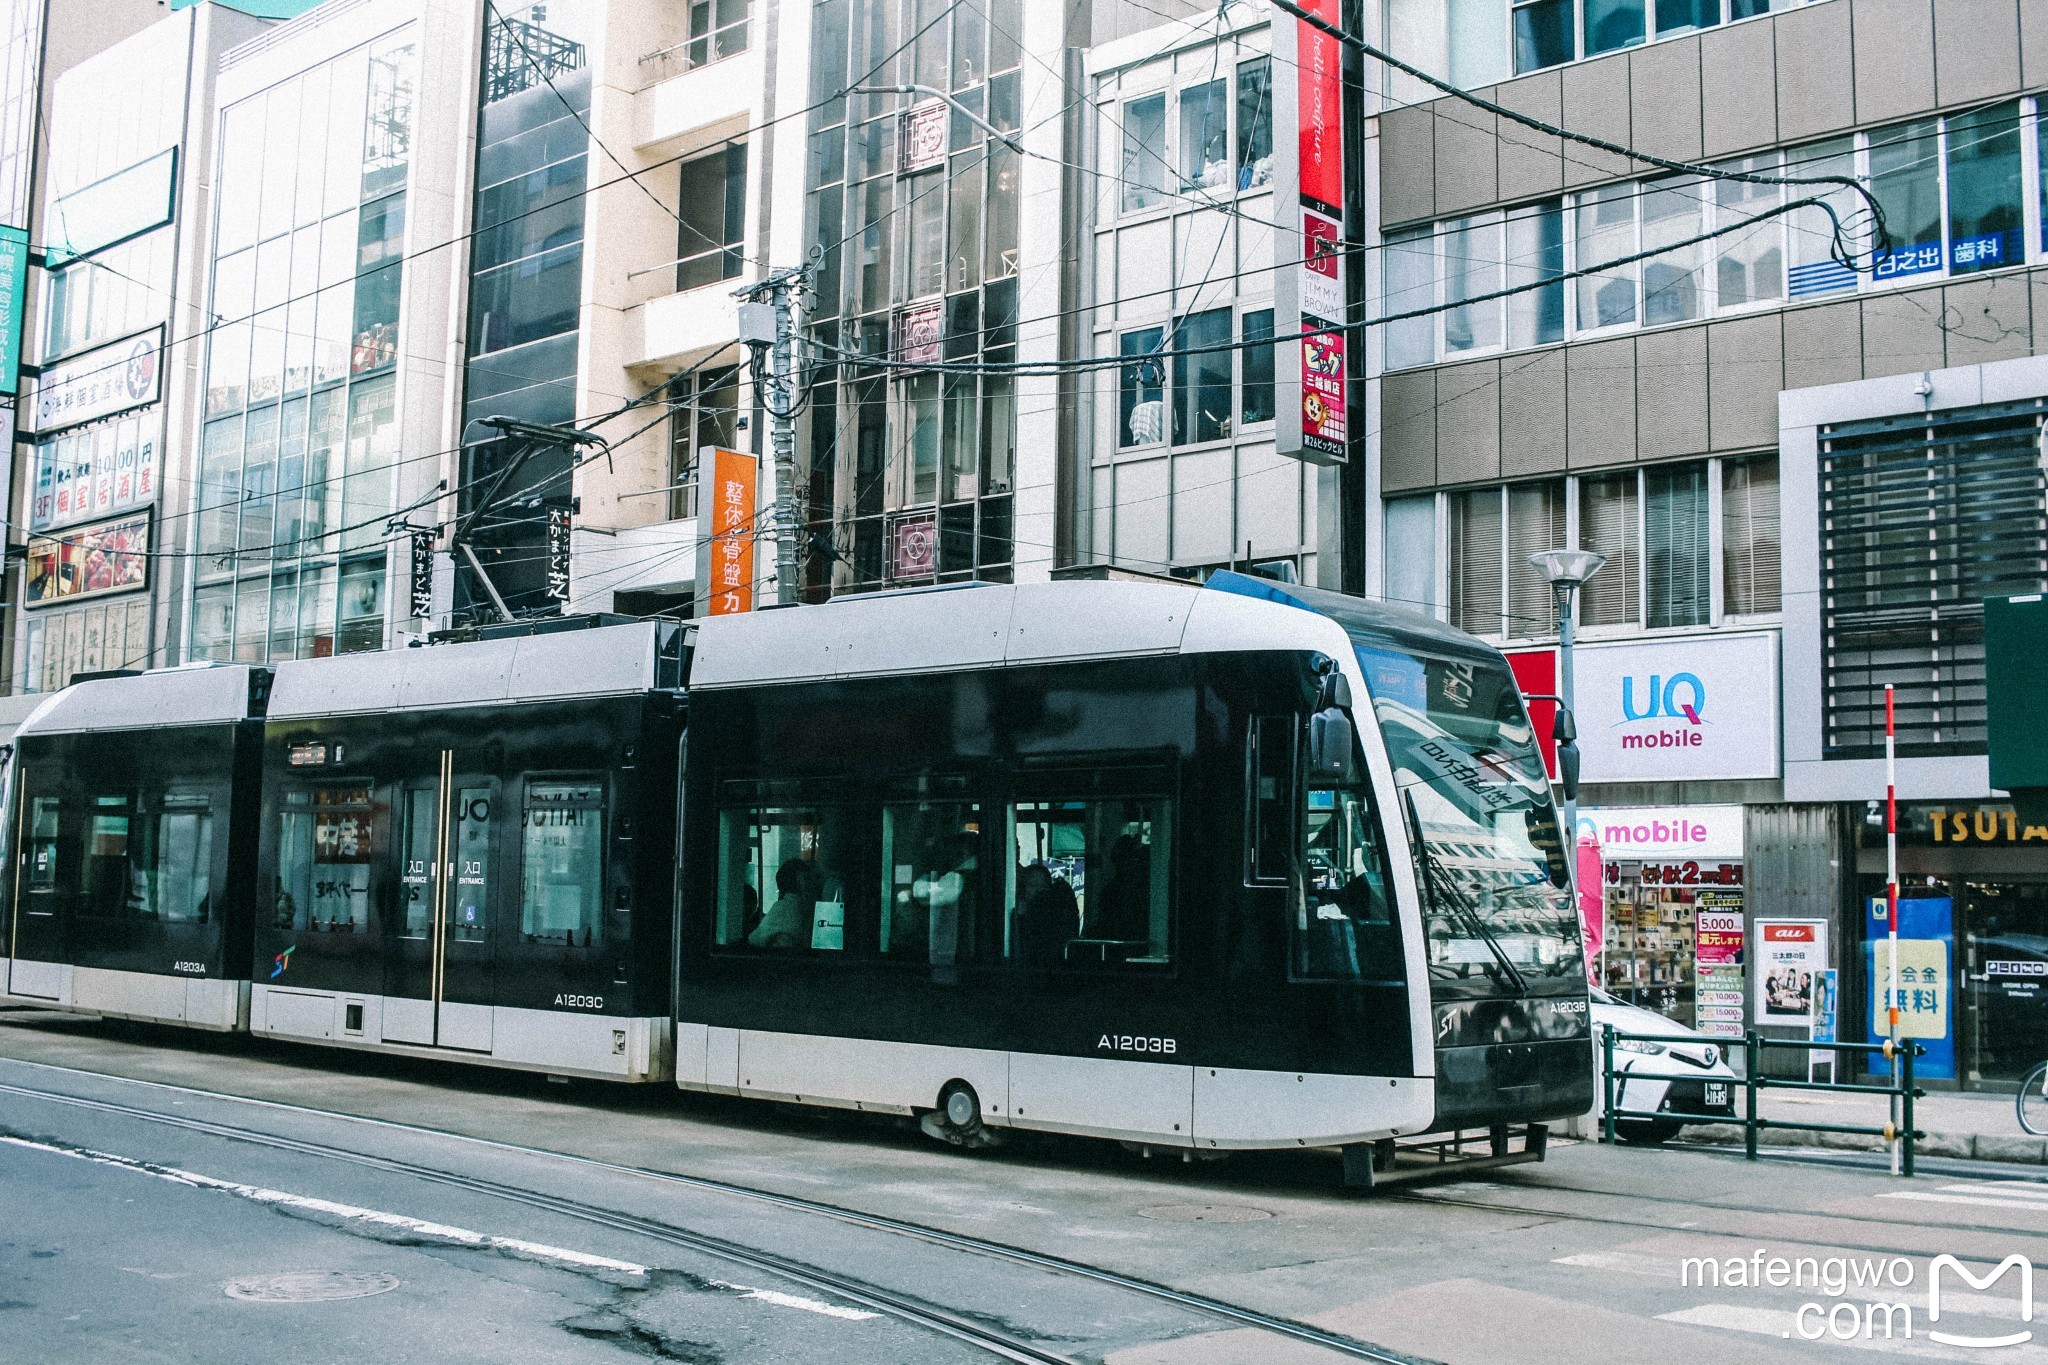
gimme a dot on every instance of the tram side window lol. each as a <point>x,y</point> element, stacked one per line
<point>173,858</point>
<point>1088,883</point>
<point>930,871</point>
<point>44,815</point>
<point>562,861</point>
<point>1270,799</point>
<point>1344,926</point>
<point>469,912</point>
<point>105,889</point>
<point>326,845</point>
<point>783,876</point>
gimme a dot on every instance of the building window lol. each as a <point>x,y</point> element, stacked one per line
<point>1141,389</point>
<point>1536,522</point>
<point>712,218</point>
<point>1676,529</point>
<point>1144,156</point>
<point>1951,189</point>
<point>718,29</point>
<point>1411,553</point>
<point>1548,32</point>
<point>1749,535</point>
<point>1254,124</point>
<point>1608,525</point>
<point>1201,378</point>
<point>706,413</point>
<point>1205,136</point>
<point>1921,519</point>
<point>1255,402</point>
<point>1475,561</point>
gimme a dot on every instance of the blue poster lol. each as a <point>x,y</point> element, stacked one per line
<point>1929,921</point>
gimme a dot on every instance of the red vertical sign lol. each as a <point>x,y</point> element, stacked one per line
<point>1535,671</point>
<point>1320,66</point>
<point>731,588</point>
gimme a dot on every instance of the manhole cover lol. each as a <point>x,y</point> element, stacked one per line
<point>311,1286</point>
<point>1204,1213</point>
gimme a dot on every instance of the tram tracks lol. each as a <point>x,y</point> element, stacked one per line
<point>945,1322</point>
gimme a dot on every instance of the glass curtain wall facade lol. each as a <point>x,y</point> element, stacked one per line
<point>526,285</point>
<point>299,459</point>
<point>913,213</point>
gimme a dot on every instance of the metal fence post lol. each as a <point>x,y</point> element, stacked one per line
<point>1607,1083</point>
<point>1906,1154</point>
<point>1752,1057</point>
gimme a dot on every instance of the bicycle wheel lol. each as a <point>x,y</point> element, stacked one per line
<point>2032,1102</point>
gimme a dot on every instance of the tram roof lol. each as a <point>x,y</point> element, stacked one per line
<point>601,662</point>
<point>1365,621</point>
<point>194,694</point>
<point>991,626</point>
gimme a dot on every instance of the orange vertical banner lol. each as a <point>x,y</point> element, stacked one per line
<point>730,588</point>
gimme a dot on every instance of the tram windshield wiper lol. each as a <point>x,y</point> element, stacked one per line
<point>1445,891</point>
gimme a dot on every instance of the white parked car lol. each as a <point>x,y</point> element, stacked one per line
<point>1708,1099</point>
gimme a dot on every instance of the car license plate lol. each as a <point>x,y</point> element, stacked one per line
<point>1717,1094</point>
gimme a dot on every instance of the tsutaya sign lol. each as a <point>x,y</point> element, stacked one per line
<point>1665,832</point>
<point>1694,707</point>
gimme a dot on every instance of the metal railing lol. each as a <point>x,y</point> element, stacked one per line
<point>1752,1081</point>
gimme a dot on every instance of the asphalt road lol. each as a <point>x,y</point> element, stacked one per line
<point>221,1213</point>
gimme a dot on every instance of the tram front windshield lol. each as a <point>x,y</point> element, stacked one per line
<point>1496,891</point>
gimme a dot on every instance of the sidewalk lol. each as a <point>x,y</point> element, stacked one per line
<point>1972,1126</point>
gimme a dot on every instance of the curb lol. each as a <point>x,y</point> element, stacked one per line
<point>2017,1148</point>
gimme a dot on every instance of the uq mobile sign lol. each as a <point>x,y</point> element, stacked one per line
<point>1689,708</point>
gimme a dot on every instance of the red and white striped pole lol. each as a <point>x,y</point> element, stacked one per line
<point>1891,901</point>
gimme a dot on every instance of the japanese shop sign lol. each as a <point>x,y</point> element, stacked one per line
<point>13,298</point>
<point>89,562</point>
<point>726,532</point>
<point>100,383</point>
<point>94,471</point>
<point>1922,989</point>
<point>921,137</point>
<point>1666,833</point>
<point>1790,956</point>
<point>1682,709</point>
<point>422,576</point>
<point>1322,395</point>
<point>1717,937</point>
<point>558,554</point>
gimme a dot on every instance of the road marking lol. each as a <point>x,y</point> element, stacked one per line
<point>1929,1197</point>
<point>1783,1324</point>
<point>1627,1263</point>
<point>782,1300</point>
<point>540,1251</point>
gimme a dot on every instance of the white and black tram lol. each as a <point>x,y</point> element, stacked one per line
<point>1080,857</point>
<point>1239,866</point>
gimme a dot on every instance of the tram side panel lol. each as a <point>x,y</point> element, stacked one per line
<point>473,883</point>
<point>1032,880</point>
<point>132,872</point>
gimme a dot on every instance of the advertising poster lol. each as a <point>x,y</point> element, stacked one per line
<point>1827,1002</point>
<point>89,562</point>
<point>1718,941</point>
<point>99,383</point>
<point>1683,709</point>
<point>1790,955</point>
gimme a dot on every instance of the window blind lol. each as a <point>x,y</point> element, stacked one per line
<point>1607,523</point>
<point>1750,576</point>
<point>1535,523</point>
<point>1475,561</point>
<point>1676,530</point>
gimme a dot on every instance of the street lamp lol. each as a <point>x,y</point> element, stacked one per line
<point>1567,571</point>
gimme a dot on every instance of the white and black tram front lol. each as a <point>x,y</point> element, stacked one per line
<point>1052,857</point>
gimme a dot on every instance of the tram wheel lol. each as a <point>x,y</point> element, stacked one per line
<point>957,1120</point>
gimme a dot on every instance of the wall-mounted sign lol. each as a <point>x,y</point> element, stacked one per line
<point>123,205</point>
<point>914,546</point>
<point>725,531</point>
<point>1535,673</point>
<point>94,471</point>
<point>920,328</point>
<point>100,383</point>
<point>558,554</point>
<point>1693,707</point>
<point>13,298</point>
<point>1665,833</point>
<point>921,137</point>
<point>1323,399</point>
<point>421,596</point>
<point>1322,267</point>
<point>1945,824</point>
<point>1319,65</point>
<point>91,561</point>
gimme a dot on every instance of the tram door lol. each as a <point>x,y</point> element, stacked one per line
<point>39,886</point>
<point>447,893</point>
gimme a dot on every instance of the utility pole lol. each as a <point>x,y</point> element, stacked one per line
<point>768,323</point>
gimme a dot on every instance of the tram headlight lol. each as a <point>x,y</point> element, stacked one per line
<point>1643,1046</point>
